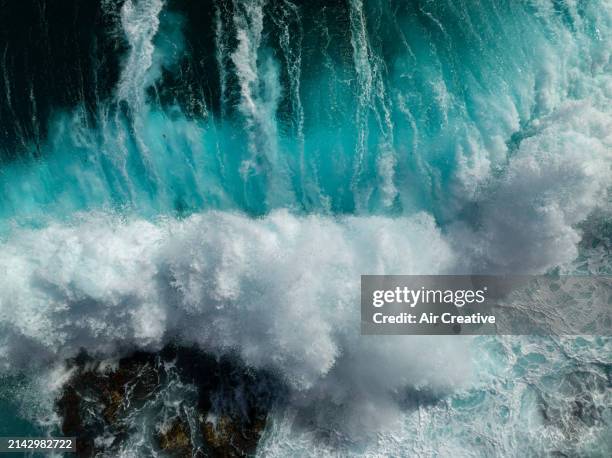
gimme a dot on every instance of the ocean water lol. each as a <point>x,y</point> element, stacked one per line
<point>220,173</point>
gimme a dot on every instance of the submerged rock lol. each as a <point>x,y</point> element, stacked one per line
<point>179,402</point>
<point>177,439</point>
<point>226,437</point>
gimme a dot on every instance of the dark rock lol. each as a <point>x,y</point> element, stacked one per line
<point>176,441</point>
<point>229,438</point>
<point>178,401</point>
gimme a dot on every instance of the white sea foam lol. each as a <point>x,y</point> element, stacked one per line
<point>282,291</point>
<point>556,178</point>
<point>140,22</point>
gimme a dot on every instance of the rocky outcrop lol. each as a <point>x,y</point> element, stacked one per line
<point>179,401</point>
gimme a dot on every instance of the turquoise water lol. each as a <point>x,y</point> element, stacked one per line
<point>362,108</point>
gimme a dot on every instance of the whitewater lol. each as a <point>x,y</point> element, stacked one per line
<point>245,166</point>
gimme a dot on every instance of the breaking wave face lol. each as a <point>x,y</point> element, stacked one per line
<point>221,174</point>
